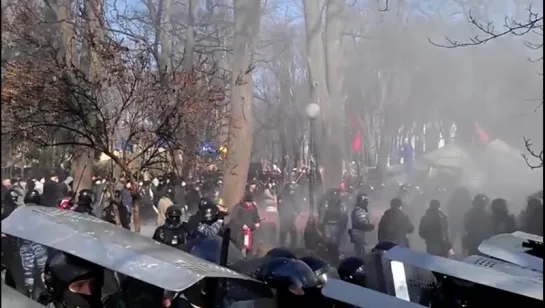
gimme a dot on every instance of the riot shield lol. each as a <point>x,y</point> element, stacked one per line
<point>113,247</point>
<point>13,299</point>
<point>210,249</point>
<point>505,267</point>
<point>362,297</point>
<point>511,248</point>
<point>490,278</point>
<point>528,236</point>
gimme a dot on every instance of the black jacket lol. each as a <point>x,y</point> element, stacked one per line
<point>52,193</point>
<point>477,228</point>
<point>504,223</point>
<point>433,229</point>
<point>395,226</point>
<point>360,224</point>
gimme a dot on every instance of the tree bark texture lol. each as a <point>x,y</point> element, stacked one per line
<point>247,19</point>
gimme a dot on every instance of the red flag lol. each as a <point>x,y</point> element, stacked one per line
<point>481,133</point>
<point>356,142</point>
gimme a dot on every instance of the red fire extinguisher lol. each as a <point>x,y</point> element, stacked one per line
<point>247,245</point>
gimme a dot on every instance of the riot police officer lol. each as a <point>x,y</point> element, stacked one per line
<point>360,224</point>
<point>433,229</point>
<point>33,198</point>
<point>72,282</point>
<point>211,223</point>
<point>502,220</point>
<point>109,212</point>
<point>352,270</point>
<point>85,202</point>
<point>477,225</point>
<point>287,212</point>
<point>33,255</point>
<point>321,268</point>
<point>295,282</point>
<point>173,232</point>
<point>195,219</point>
<point>333,224</point>
<point>9,203</point>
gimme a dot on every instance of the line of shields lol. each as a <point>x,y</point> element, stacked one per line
<point>511,271</point>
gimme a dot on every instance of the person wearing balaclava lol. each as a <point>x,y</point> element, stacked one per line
<point>244,216</point>
<point>52,191</point>
<point>72,282</point>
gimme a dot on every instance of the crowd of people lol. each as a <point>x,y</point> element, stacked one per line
<point>188,212</point>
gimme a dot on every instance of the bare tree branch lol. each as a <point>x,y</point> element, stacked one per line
<point>539,156</point>
<point>533,24</point>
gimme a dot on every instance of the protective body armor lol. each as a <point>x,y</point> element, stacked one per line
<point>334,223</point>
<point>171,237</point>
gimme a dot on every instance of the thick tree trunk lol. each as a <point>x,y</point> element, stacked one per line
<point>317,73</point>
<point>90,64</point>
<point>247,18</point>
<point>335,105</point>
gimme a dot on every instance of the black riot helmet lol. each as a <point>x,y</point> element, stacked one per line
<point>321,268</point>
<point>13,195</point>
<point>73,282</point>
<point>173,217</point>
<point>287,273</point>
<point>210,214</point>
<point>481,200</point>
<point>85,197</point>
<point>205,203</point>
<point>351,270</point>
<point>280,252</point>
<point>499,207</point>
<point>295,283</point>
<point>362,200</point>
<point>33,197</point>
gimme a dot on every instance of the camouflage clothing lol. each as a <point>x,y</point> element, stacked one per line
<point>33,259</point>
<point>205,230</point>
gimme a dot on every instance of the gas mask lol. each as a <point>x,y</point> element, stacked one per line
<point>173,221</point>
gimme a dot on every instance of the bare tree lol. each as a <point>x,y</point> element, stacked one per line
<point>531,25</point>
<point>114,94</point>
